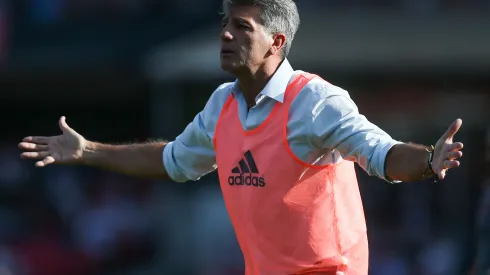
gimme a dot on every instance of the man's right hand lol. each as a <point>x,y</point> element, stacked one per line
<point>67,148</point>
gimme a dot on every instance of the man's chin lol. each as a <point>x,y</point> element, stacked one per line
<point>228,66</point>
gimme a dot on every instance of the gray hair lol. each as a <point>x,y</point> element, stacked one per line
<point>278,16</point>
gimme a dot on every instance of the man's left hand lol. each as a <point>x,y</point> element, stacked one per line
<point>447,152</point>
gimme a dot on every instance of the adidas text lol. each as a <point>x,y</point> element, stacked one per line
<point>246,179</point>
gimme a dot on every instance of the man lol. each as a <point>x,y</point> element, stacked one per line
<point>284,141</point>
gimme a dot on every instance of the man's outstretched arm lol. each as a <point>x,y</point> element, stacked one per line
<point>409,162</point>
<point>190,156</point>
<point>339,125</point>
<point>143,160</point>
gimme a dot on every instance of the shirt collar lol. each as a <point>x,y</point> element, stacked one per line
<point>276,87</point>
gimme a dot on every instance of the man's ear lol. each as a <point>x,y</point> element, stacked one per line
<point>278,43</point>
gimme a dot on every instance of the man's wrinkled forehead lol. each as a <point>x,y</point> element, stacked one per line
<point>243,12</point>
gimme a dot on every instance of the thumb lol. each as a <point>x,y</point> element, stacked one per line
<point>63,126</point>
<point>453,129</point>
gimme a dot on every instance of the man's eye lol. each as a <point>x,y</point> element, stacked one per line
<point>244,27</point>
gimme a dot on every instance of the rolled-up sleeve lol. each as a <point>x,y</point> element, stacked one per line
<point>337,124</point>
<point>191,155</point>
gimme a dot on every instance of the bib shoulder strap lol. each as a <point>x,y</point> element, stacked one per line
<point>296,85</point>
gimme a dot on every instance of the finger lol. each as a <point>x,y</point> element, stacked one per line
<point>63,125</point>
<point>46,161</point>
<point>454,155</point>
<point>449,164</point>
<point>453,129</point>
<point>34,155</point>
<point>441,175</point>
<point>33,146</point>
<point>455,146</point>
<point>37,140</point>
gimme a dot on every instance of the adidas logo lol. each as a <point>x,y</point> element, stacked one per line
<point>246,173</point>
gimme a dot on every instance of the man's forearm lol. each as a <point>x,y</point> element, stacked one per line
<point>407,162</point>
<point>142,160</point>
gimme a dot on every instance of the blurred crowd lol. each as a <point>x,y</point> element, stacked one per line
<point>65,221</point>
<point>47,22</point>
<point>61,11</point>
<point>82,221</point>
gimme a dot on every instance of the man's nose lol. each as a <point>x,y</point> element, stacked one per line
<point>226,35</point>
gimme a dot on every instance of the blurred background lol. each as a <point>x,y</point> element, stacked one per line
<point>128,70</point>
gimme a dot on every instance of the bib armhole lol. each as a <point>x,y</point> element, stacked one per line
<point>296,86</point>
<point>225,107</point>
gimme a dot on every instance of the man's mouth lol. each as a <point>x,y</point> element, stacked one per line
<point>226,51</point>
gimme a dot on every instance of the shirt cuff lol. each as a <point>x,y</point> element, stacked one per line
<point>379,159</point>
<point>170,164</point>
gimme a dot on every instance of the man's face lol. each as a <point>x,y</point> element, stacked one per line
<point>244,42</point>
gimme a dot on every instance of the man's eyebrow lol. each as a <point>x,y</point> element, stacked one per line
<point>242,20</point>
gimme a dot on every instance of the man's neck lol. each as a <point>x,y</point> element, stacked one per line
<point>253,82</point>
